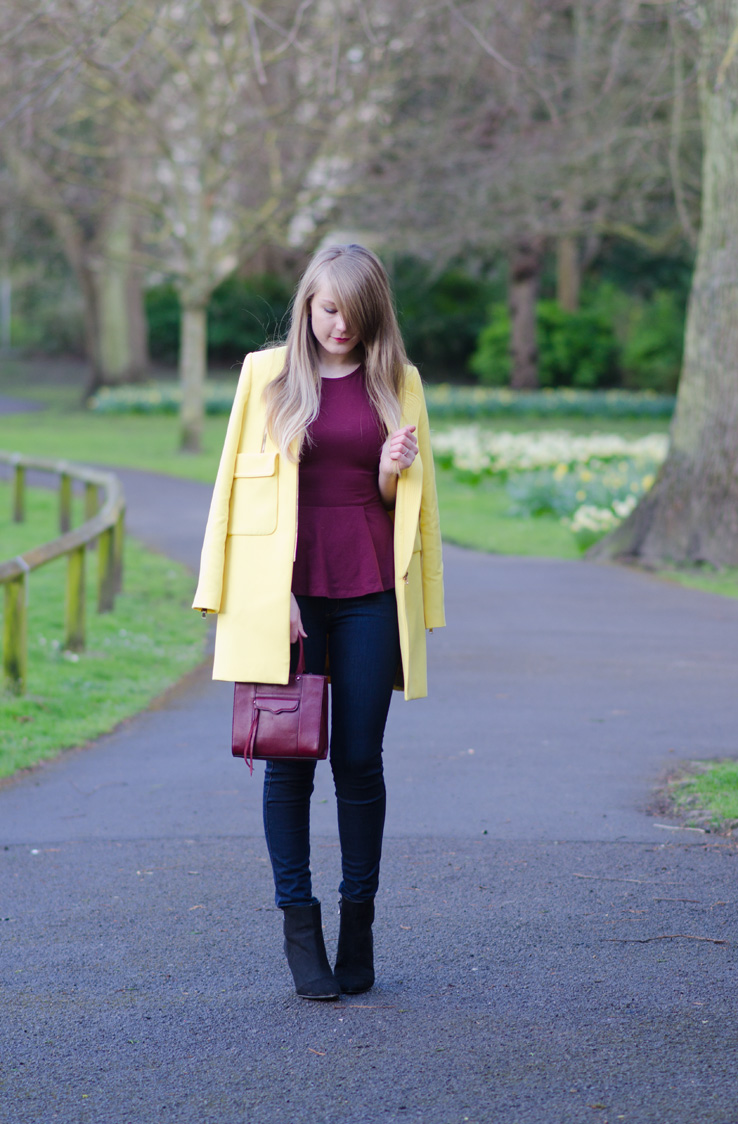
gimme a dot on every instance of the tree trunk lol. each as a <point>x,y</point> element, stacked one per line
<point>122,349</point>
<point>568,273</point>
<point>525,272</point>
<point>192,369</point>
<point>138,324</point>
<point>691,513</point>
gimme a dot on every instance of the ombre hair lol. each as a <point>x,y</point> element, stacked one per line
<point>360,286</point>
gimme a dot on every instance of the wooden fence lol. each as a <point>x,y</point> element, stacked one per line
<point>104,522</point>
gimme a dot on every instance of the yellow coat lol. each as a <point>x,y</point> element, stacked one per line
<point>247,555</point>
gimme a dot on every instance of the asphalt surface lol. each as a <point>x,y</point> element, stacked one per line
<point>9,404</point>
<point>548,952</point>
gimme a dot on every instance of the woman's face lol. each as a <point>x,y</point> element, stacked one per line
<point>333,334</point>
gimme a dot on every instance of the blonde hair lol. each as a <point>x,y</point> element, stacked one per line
<point>361,289</point>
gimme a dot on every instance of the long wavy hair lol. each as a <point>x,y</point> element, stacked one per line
<point>360,286</point>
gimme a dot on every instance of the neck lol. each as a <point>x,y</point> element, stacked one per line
<point>336,366</point>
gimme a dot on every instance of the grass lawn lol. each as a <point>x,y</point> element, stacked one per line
<point>134,653</point>
<point>723,582</point>
<point>705,794</point>
<point>477,517</point>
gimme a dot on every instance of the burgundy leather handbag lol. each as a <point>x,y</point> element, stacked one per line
<point>282,720</point>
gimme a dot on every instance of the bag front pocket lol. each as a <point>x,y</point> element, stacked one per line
<point>254,495</point>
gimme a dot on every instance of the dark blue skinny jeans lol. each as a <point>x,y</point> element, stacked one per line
<point>360,636</point>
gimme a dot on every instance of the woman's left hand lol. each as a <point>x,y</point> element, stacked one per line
<point>399,451</point>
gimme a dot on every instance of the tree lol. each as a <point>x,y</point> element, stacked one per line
<point>221,109</point>
<point>691,513</point>
<point>544,122</point>
<point>73,172</point>
<point>234,106</point>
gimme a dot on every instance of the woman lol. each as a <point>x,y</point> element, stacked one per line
<point>324,525</point>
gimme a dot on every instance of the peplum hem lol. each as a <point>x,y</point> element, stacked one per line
<point>344,551</point>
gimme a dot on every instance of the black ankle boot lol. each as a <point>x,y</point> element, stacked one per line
<point>305,951</point>
<point>355,961</point>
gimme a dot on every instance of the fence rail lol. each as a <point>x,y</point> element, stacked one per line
<point>104,524</point>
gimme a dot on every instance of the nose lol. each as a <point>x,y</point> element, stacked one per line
<point>341,328</point>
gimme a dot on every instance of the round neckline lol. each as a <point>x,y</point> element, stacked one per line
<point>340,378</point>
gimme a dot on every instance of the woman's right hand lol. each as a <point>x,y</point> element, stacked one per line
<point>296,628</point>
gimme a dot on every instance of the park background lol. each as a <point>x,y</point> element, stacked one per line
<point>551,187</point>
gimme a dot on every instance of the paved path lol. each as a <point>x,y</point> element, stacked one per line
<point>9,404</point>
<point>526,889</point>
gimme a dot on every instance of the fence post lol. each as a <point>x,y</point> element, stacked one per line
<point>106,571</point>
<point>15,635</point>
<point>92,506</point>
<point>74,624</point>
<point>65,502</point>
<point>19,493</point>
<point>118,542</point>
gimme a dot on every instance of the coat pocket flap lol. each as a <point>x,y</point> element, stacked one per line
<point>256,464</point>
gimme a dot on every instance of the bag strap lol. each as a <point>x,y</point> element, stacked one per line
<point>248,754</point>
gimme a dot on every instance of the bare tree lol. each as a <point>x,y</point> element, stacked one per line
<point>72,171</point>
<point>539,122</point>
<point>236,105</point>
<point>222,111</point>
<point>691,513</point>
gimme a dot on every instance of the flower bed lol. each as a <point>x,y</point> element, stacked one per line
<point>590,483</point>
<point>443,400</point>
<point>160,398</point>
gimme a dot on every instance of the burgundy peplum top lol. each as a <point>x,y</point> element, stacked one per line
<point>344,532</point>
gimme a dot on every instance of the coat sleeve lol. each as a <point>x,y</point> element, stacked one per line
<point>430,526</point>
<point>212,562</point>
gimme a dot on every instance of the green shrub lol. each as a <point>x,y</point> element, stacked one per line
<point>440,316</point>
<point>163,316</point>
<point>48,314</point>
<point>491,360</point>
<point>576,349</point>
<point>614,339</point>
<point>243,315</point>
<point>633,270</point>
<point>652,355</point>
